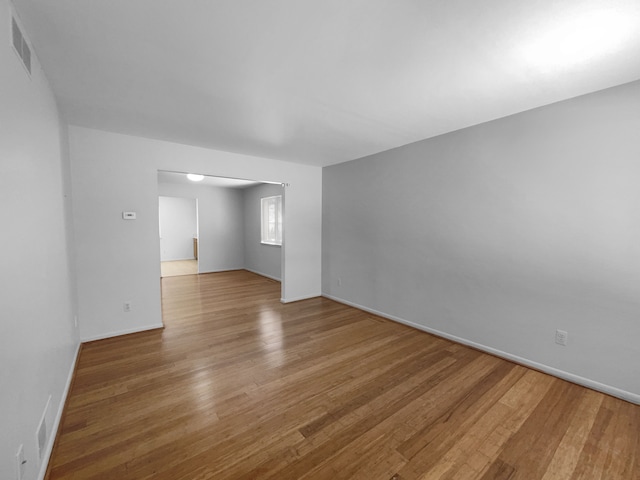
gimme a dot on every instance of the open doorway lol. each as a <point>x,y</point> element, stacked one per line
<point>230,226</point>
<point>178,220</point>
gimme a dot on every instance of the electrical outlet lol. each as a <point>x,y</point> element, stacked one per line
<point>562,337</point>
<point>126,306</point>
<point>75,320</point>
<point>21,463</point>
<point>339,281</point>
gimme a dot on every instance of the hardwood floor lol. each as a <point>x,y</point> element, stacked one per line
<point>178,267</point>
<point>239,386</point>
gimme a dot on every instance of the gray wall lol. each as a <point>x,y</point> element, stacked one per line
<point>220,224</point>
<point>259,258</point>
<point>38,338</point>
<point>501,233</point>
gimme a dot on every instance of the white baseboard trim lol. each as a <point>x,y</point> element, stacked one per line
<point>297,299</point>
<point>570,377</point>
<point>223,270</point>
<point>263,274</point>
<point>121,332</point>
<point>56,422</point>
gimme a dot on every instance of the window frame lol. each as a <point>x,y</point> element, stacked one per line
<point>265,237</point>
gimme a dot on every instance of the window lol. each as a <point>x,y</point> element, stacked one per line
<point>271,220</point>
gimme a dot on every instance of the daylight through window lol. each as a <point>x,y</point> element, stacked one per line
<point>271,220</point>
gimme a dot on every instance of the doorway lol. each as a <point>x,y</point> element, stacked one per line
<point>228,213</point>
<point>178,220</point>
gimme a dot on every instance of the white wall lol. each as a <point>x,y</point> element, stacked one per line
<point>258,257</point>
<point>501,233</point>
<point>221,226</point>
<point>38,339</point>
<point>178,228</point>
<point>120,260</point>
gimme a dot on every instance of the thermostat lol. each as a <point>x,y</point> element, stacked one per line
<point>129,215</point>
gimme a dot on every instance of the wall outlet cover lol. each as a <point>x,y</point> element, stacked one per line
<point>562,337</point>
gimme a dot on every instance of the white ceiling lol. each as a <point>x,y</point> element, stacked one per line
<point>323,81</point>
<point>181,179</point>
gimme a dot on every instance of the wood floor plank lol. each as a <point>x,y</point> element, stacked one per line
<point>568,452</point>
<point>532,447</point>
<point>240,386</point>
<point>442,455</point>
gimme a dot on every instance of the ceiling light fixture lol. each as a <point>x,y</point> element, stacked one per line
<point>194,177</point>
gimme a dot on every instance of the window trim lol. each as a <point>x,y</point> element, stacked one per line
<point>264,201</point>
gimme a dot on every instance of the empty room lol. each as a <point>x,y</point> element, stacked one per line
<point>409,246</point>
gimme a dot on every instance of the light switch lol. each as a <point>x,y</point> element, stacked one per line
<point>129,215</point>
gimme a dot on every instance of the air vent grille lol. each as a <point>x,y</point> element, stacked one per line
<point>42,433</point>
<point>20,44</point>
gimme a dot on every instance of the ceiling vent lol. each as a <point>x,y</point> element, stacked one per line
<point>20,45</point>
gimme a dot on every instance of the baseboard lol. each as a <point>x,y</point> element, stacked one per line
<point>570,377</point>
<point>297,299</point>
<point>53,437</point>
<point>121,332</point>
<point>263,274</point>
<point>223,270</point>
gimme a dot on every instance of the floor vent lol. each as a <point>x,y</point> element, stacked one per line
<point>20,45</point>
